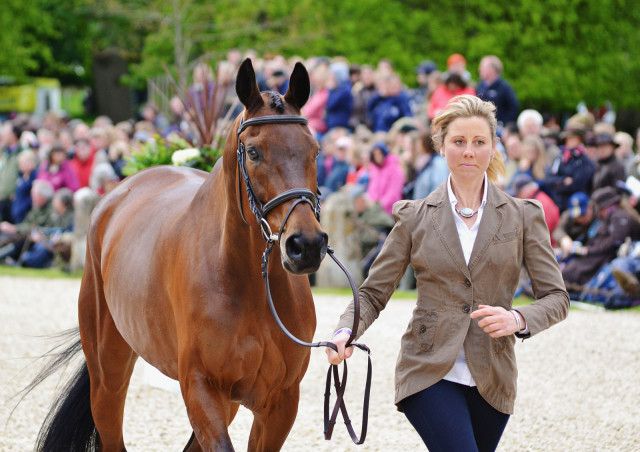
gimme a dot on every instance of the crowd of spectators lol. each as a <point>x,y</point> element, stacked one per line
<point>375,145</point>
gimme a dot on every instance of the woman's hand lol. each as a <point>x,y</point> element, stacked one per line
<point>496,321</point>
<point>340,340</point>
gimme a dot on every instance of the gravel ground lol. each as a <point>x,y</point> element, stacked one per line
<point>578,384</point>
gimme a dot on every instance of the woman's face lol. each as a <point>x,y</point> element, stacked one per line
<point>378,156</point>
<point>57,157</point>
<point>468,146</point>
<point>529,152</point>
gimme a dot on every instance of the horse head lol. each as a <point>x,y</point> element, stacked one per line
<point>277,160</point>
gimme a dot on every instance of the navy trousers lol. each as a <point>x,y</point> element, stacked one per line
<point>452,417</point>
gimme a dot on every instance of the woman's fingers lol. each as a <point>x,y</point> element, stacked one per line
<point>340,340</point>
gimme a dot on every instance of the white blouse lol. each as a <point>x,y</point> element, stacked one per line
<point>460,371</point>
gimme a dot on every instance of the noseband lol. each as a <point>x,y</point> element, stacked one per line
<point>261,211</point>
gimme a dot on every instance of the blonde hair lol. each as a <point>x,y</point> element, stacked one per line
<point>539,166</point>
<point>468,106</point>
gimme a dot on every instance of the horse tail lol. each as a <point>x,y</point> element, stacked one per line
<point>69,426</point>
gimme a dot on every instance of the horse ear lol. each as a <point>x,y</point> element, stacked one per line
<point>299,87</point>
<point>247,87</point>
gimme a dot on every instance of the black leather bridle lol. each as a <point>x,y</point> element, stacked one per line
<point>261,210</point>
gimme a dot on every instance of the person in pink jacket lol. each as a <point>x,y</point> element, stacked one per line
<point>453,86</point>
<point>57,170</point>
<point>386,177</point>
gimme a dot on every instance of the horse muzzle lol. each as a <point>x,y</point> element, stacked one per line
<point>302,253</point>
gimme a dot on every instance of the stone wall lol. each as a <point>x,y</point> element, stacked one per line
<point>343,238</point>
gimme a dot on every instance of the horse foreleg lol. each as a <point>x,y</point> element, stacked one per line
<point>210,412</point>
<point>110,361</point>
<point>271,426</point>
<point>194,446</point>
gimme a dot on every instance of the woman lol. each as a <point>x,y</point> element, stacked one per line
<point>386,177</point>
<point>453,86</point>
<point>467,241</point>
<point>58,170</point>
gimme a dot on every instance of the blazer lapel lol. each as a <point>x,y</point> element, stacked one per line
<point>489,225</point>
<point>445,226</point>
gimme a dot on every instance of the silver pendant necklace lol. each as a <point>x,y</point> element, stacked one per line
<point>467,212</point>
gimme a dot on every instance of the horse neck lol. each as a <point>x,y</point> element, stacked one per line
<point>226,208</point>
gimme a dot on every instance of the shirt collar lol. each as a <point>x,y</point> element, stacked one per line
<point>452,198</point>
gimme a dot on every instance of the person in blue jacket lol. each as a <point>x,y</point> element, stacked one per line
<point>389,104</point>
<point>493,88</point>
<point>340,101</point>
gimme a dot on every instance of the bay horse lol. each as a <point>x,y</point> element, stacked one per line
<point>172,275</point>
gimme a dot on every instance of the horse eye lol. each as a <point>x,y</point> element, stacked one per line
<point>253,154</point>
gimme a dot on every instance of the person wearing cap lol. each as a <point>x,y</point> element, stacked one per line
<point>575,225</point>
<point>493,88</point>
<point>609,170</point>
<point>453,86</point>
<point>572,171</point>
<point>419,94</point>
<point>616,224</point>
<point>456,374</point>
<point>525,187</point>
<point>457,64</point>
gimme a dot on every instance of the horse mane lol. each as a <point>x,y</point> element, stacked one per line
<point>275,102</point>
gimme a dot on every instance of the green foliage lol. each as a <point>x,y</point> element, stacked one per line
<point>159,151</point>
<point>556,53</point>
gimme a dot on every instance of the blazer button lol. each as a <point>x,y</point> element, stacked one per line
<point>466,309</point>
<point>467,282</point>
<point>423,329</point>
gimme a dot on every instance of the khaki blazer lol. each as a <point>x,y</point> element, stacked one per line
<point>512,233</point>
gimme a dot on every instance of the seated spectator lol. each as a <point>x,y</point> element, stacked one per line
<point>44,241</point>
<point>533,157</point>
<point>151,113</point>
<point>14,236</point>
<point>389,104</point>
<point>609,170</point>
<point>577,224</point>
<point>624,151</point>
<point>314,109</point>
<point>103,178</point>
<point>82,162</point>
<point>616,225</point>
<point>27,161</point>
<point>453,86</point>
<point>340,99</point>
<point>372,224</point>
<point>118,152</point>
<point>362,92</point>
<point>433,172</point>
<point>525,187</point>
<point>340,167</point>
<point>386,177</point>
<point>572,170</point>
<point>529,123</point>
<point>58,170</point>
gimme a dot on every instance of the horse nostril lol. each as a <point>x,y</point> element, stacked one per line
<point>295,246</point>
<point>300,247</point>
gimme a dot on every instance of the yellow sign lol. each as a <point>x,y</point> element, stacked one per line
<point>23,98</point>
